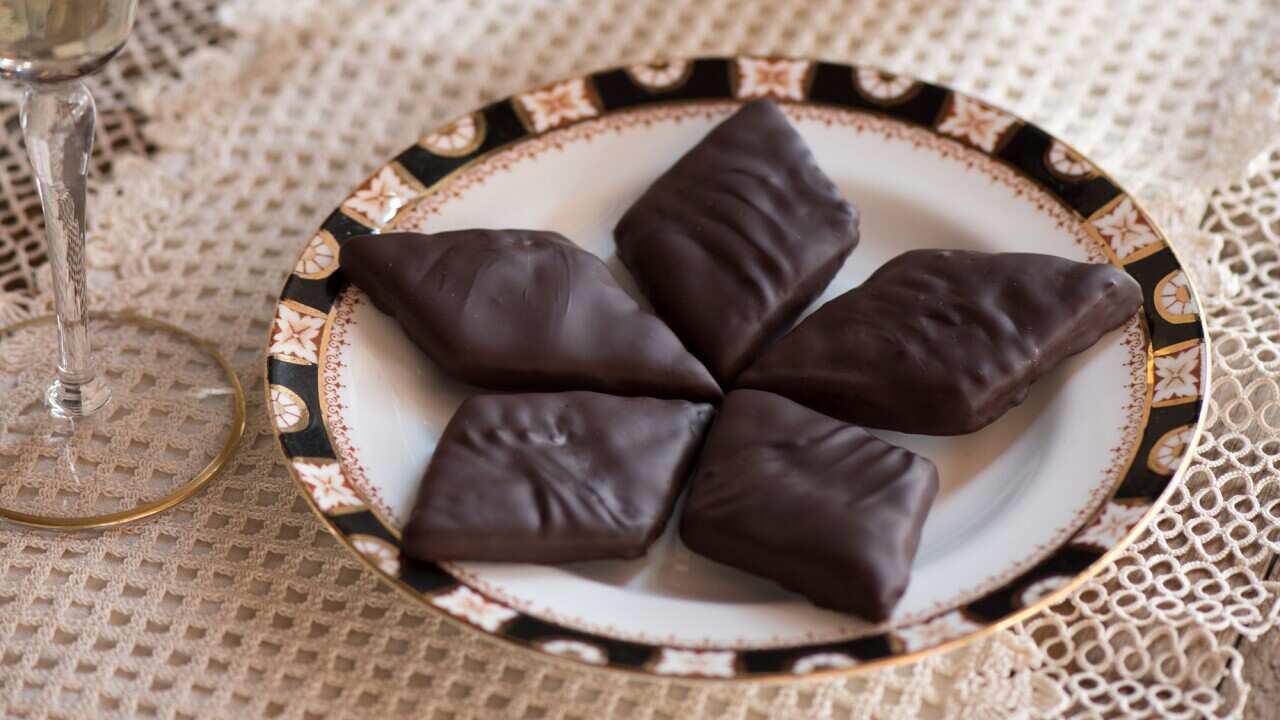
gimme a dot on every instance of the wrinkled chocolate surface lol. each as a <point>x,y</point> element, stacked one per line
<point>552,478</point>
<point>820,506</point>
<point>737,238</point>
<point>522,310</point>
<point>944,342</point>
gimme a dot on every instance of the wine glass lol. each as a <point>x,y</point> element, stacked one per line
<point>49,46</point>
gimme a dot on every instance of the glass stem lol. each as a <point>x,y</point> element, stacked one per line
<point>57,124</point>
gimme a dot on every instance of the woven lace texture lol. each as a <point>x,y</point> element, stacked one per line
<point>231,130</point>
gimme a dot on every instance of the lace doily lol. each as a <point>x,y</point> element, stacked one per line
<point>226,141</point>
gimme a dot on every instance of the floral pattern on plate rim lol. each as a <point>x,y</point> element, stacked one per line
<point>296,333</point>
<point>465,603</point>
<point>822,661</point>
<point>288,411</point>
<point>705,663</point>
<point>1126,231</point>
<point>319,259</point>
<point>576,649</point>
<point>1177,375</point>
<point>382,554</point>
<point>777,79</point>
<point>1174,299</point>
<point>976,123</point>
<point>458,138</point>
<point>1065,163</point>
<point>381,196</point>
<point>1167,453</point>
<point>661,76</point>
<point>557,105</point>
<point>327,485</point>
<point>885,88</point>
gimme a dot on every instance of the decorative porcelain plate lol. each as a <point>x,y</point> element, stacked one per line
<point>1029,507</point>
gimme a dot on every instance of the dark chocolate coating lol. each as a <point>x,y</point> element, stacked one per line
<point>737,238</point>
<point>944,342</point>
<point>820,506</point>
<point>523,310</point>
<point>552,478</point>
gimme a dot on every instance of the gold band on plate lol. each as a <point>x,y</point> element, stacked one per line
<point>192,486</point>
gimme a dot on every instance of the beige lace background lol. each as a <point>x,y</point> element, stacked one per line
<point>229,130</point>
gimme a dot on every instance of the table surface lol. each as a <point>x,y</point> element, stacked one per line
<point>1262,669</point>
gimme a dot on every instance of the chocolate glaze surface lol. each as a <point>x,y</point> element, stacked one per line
<point>551,478</point>
<point>820,506</point>
<point>738,237</point>
<point>522,310</point>
<point>944,342</point>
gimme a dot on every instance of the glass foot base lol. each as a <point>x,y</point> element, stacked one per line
<point>175,415</point>
<point>77,401</point>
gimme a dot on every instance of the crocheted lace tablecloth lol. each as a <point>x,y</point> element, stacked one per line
<point>229,130</point>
